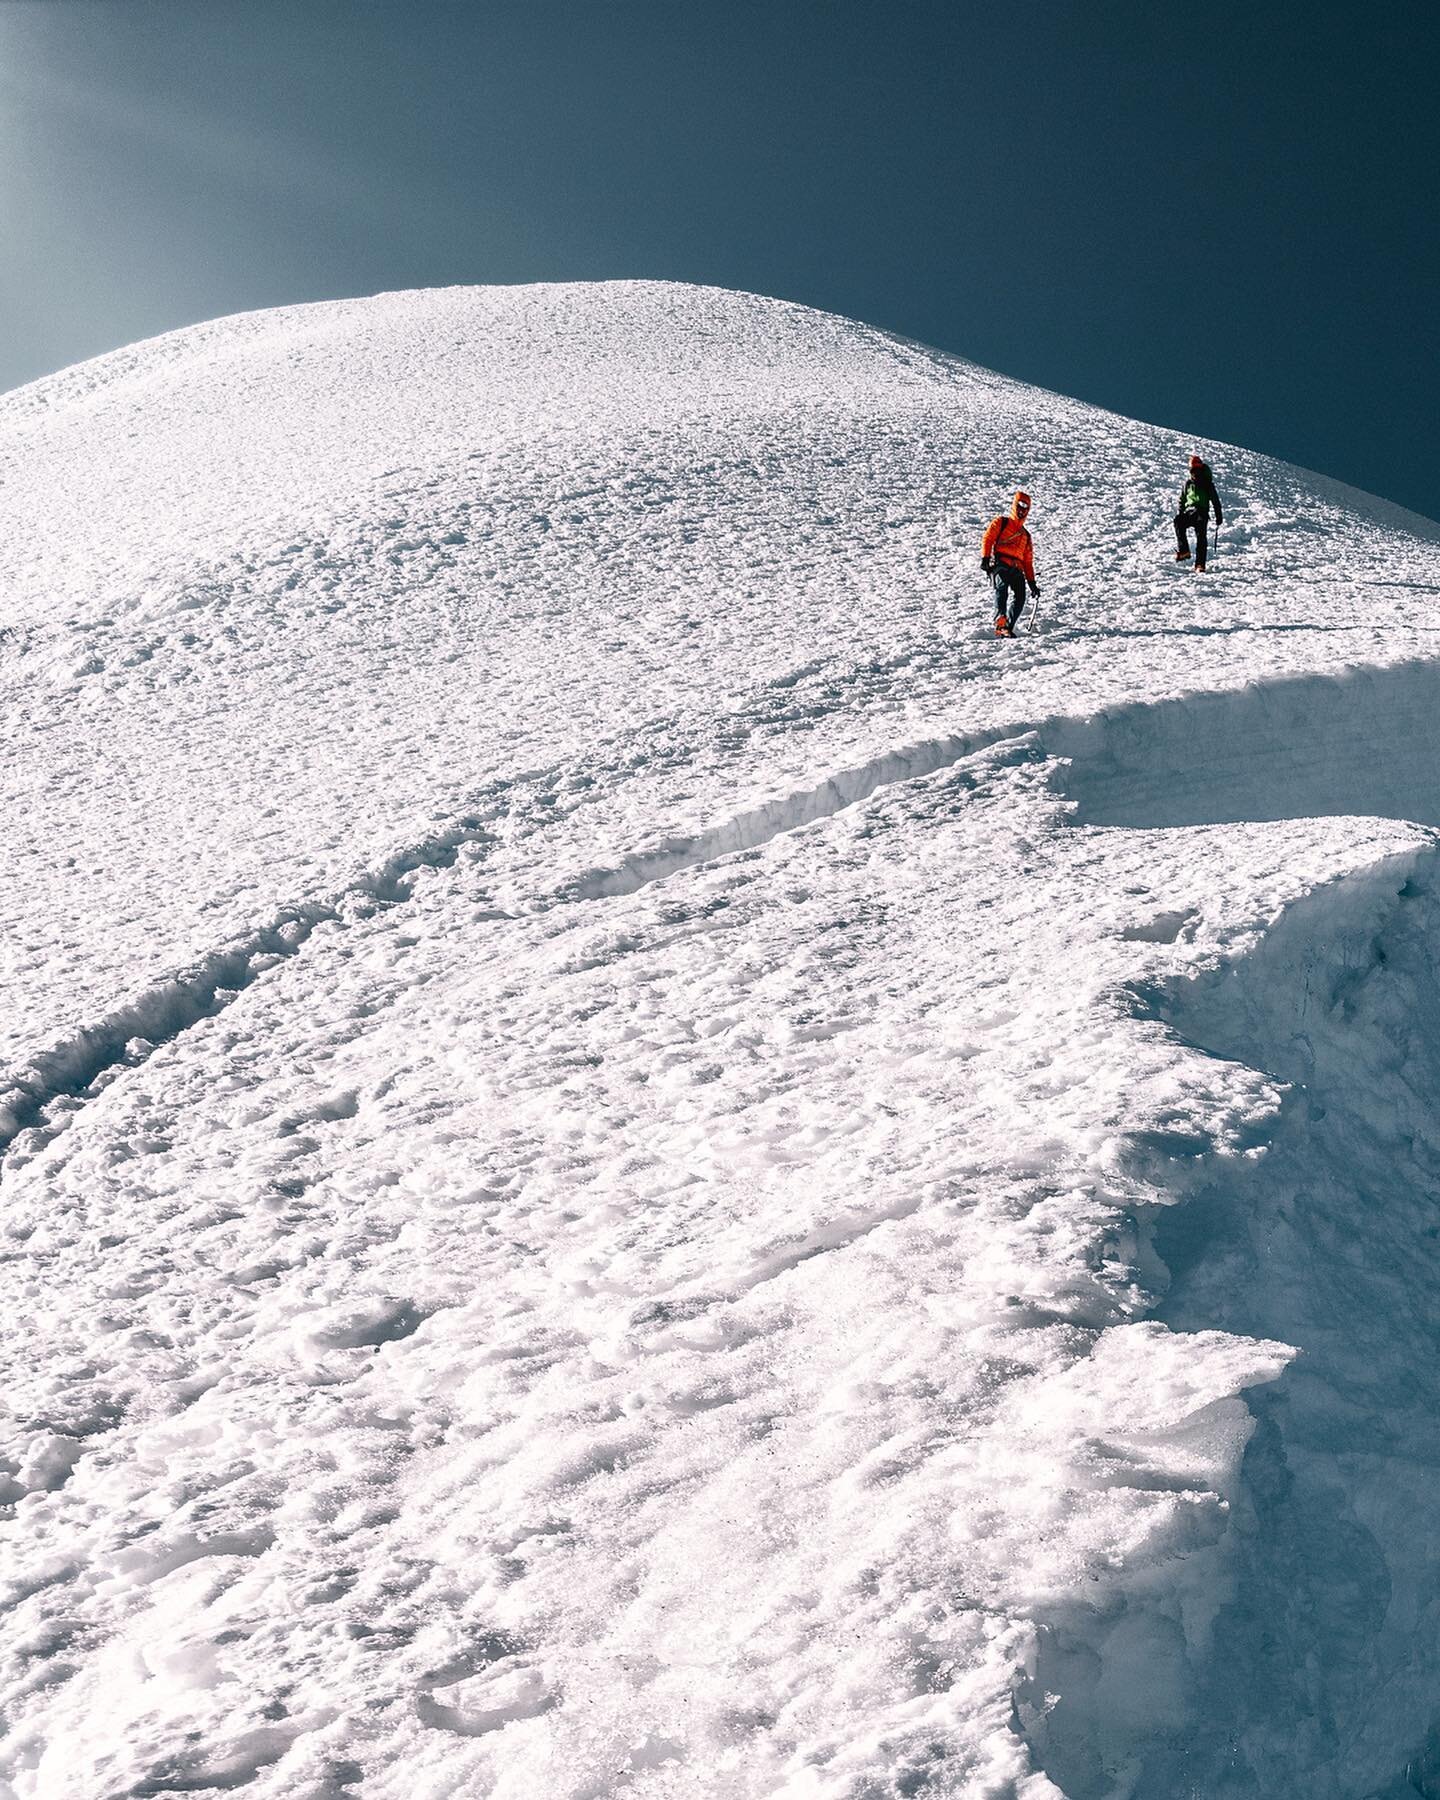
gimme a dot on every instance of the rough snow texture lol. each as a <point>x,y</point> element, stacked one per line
<point>638,1163</point>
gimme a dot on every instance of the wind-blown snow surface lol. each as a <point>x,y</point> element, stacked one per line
<point>637,1162</point>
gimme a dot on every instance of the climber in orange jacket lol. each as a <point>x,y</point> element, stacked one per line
<point>1008,557</point>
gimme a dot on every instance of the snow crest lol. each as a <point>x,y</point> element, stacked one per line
<point>635,1161</point>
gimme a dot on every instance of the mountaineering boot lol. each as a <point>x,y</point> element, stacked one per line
<point>1199,568</point>
<point>1002,626</point>
<point>1182,556</point>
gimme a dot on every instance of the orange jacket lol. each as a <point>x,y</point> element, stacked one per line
<point>1009,541</point>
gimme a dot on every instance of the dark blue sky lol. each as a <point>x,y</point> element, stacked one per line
<point>1221,218</point>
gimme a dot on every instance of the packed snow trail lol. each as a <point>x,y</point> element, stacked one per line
<point>601,1088</point>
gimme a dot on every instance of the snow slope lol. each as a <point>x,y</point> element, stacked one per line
<point>637,1162</point>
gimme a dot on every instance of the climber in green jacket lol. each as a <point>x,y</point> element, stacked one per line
<point>1196,499</point>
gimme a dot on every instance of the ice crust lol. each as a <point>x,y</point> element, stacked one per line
<point>635,1161</point>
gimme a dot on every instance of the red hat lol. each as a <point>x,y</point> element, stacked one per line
<point>1197,462</point>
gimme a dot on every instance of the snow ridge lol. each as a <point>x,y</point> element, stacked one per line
<point>127,1036</point>
<point>1317,1674</point>
<point>850,1220</point>
<point>132,1032</point>
<point>761,825</point>
<point>1303,746</point>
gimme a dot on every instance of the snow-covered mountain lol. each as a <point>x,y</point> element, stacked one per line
<point>639,1163</point>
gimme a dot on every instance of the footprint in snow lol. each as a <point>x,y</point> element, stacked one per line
<point>502,1694</point>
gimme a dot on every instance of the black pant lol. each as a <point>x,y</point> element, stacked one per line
<point>1200,519</point>
<point>1009,585</point>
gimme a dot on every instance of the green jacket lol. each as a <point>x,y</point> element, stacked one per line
<point>1198,493</point>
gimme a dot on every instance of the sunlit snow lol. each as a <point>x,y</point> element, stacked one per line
<point>636,1161</point>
